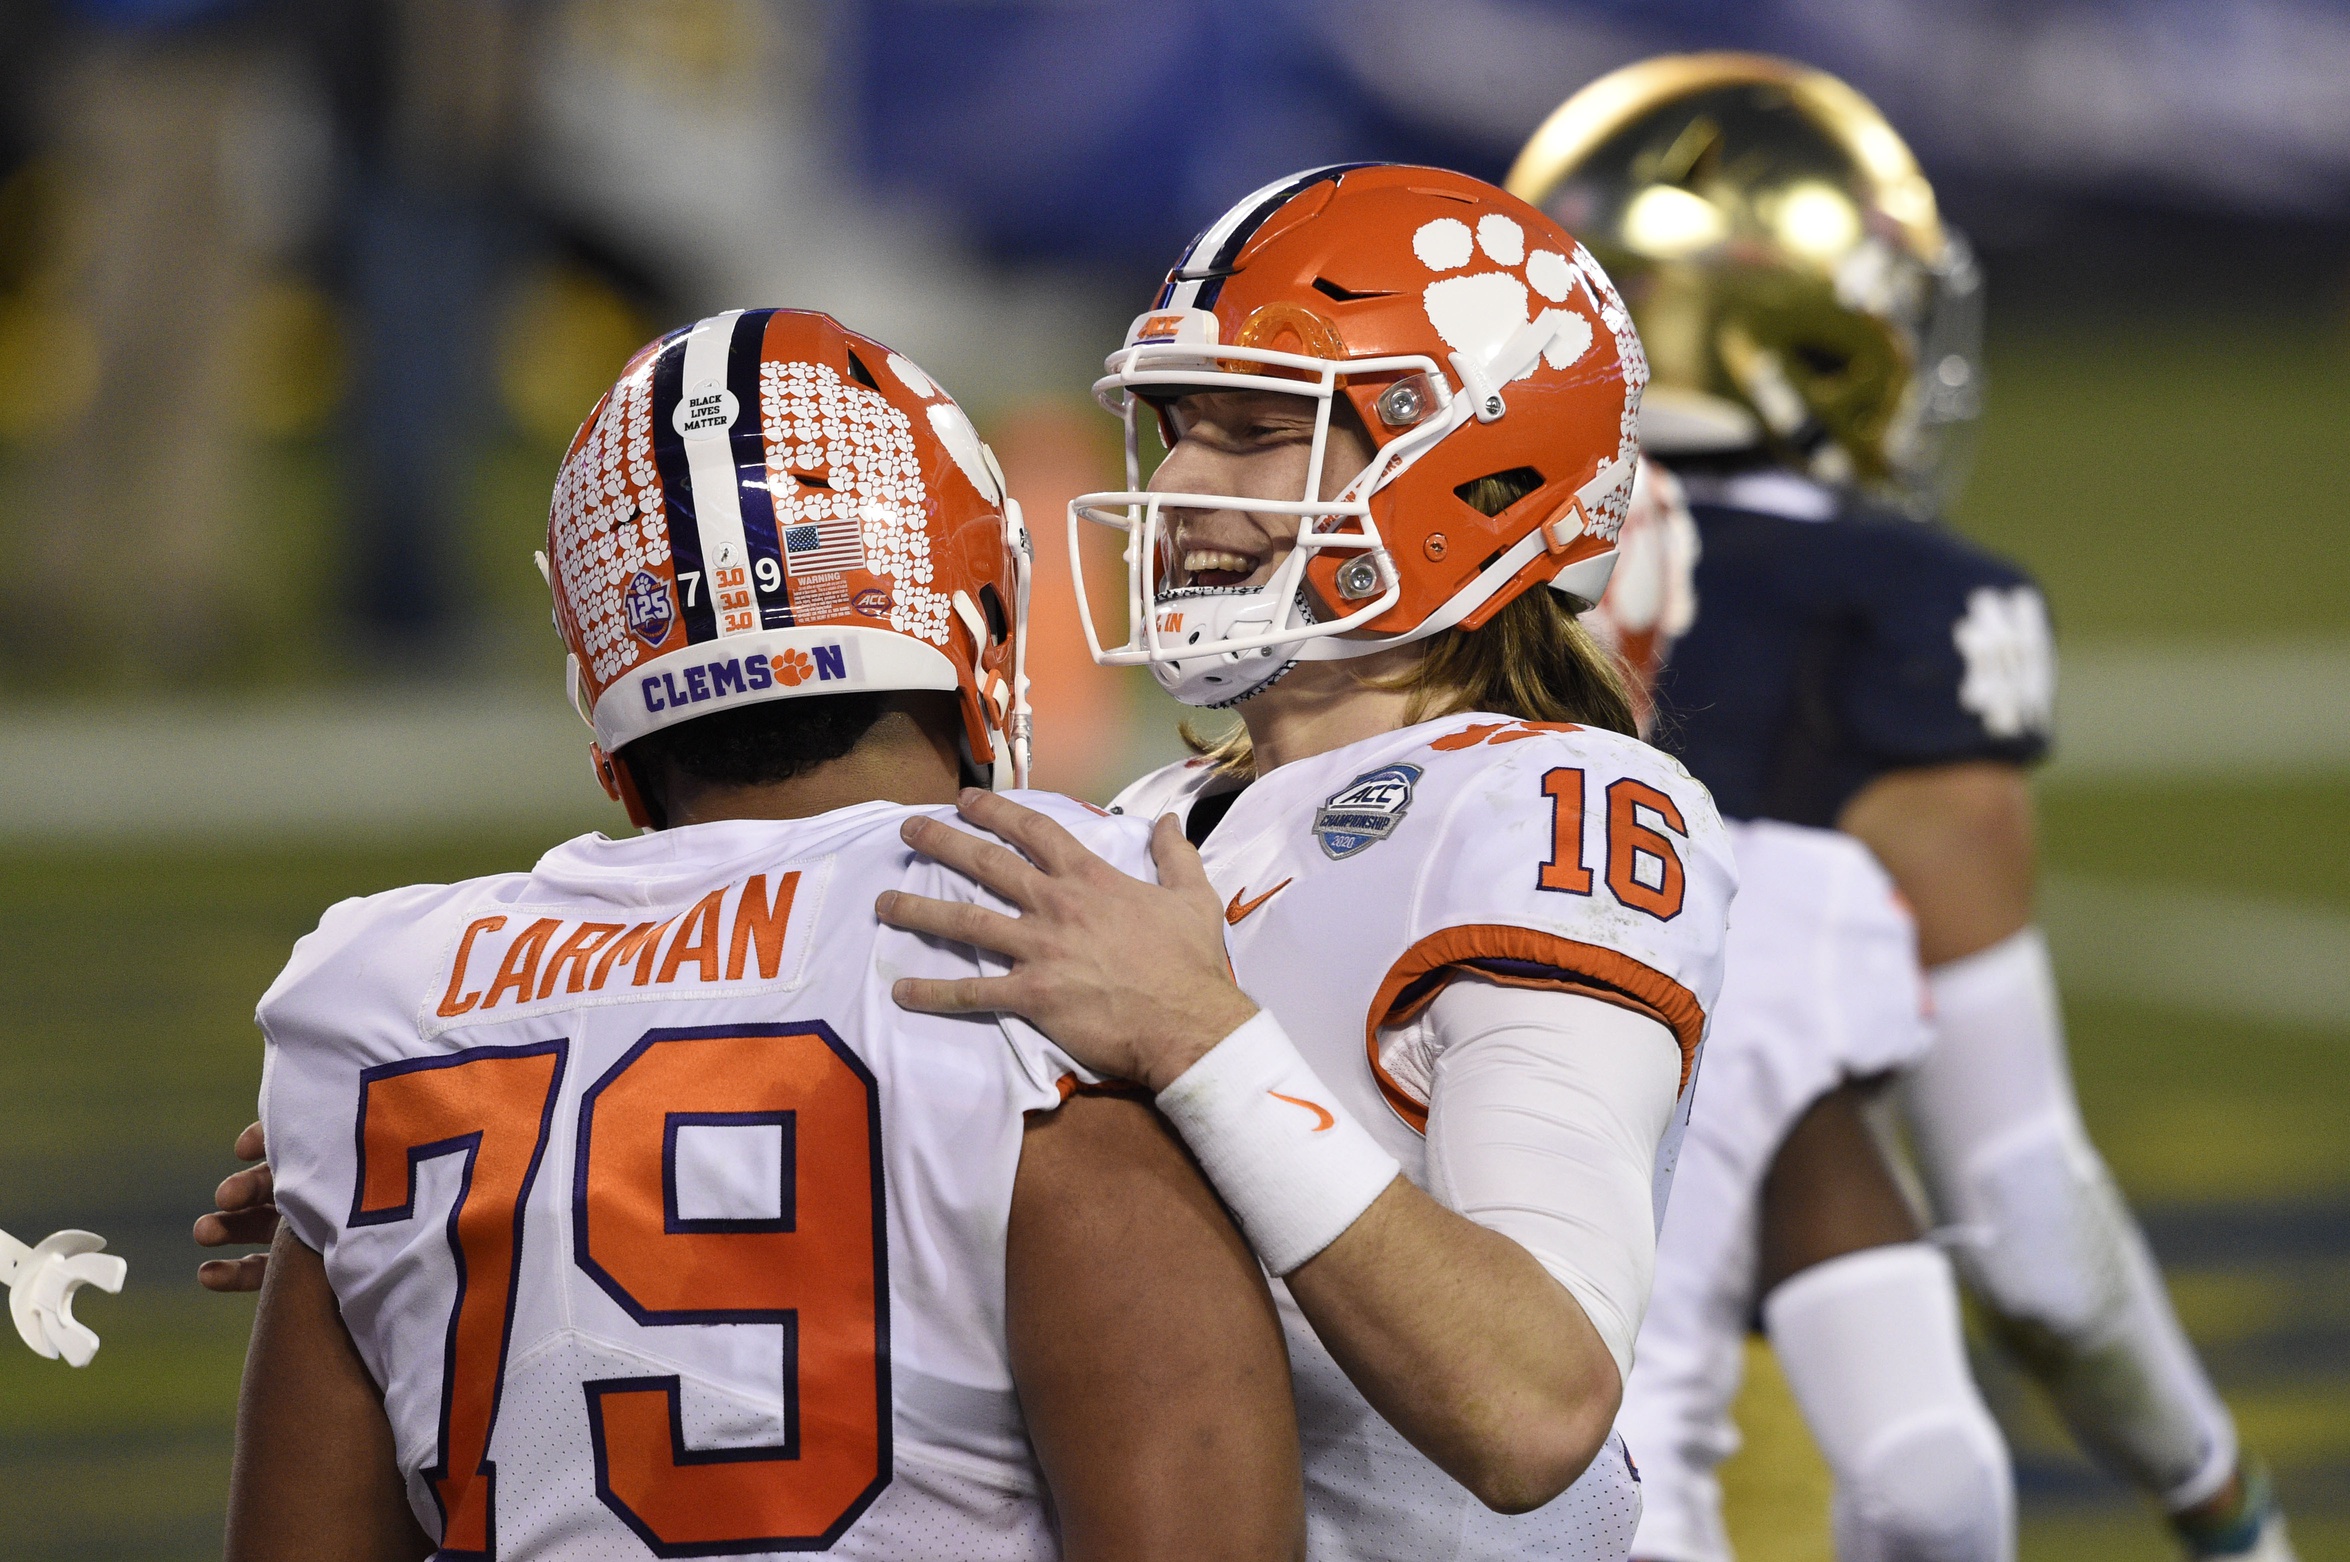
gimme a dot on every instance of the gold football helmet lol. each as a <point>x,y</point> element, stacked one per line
<point>1796,291</point>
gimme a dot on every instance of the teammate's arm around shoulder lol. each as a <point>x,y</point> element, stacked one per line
<point>1145,1347</point>
<point>315,1472</point>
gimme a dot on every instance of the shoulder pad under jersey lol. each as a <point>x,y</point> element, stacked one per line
<point>1168,789</point>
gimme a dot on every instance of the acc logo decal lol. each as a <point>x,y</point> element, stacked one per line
<point>647,603</point>
<point>873,602</point>
<point>1365,811</point>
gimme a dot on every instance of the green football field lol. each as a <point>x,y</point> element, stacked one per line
<point>2180,491</point>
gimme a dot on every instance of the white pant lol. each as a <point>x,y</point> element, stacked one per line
<point>1821,985</point>
<point>2042,1235</point>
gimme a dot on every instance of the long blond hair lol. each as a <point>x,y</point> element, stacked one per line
<point>1533,660</point>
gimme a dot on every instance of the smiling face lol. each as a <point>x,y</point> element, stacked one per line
<point>1250,445</point>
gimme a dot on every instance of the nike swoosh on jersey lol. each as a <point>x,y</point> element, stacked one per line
<point>1327,1122</point>
<point>1241,908</point>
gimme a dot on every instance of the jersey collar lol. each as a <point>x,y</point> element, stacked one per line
<point>1770,491</point>
<point>656,866</point>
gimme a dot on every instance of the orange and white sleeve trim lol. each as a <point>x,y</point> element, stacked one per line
<point>1515,956</point>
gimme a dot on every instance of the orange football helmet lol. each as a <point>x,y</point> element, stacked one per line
<point>1473,337</point>
<point>767,506</point>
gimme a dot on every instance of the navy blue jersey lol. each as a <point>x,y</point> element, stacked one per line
<point>1835,642</point>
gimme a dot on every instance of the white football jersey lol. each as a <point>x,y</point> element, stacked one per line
<point>1538,855</point>
<point>664,1230</point>
<point>1821,985</point>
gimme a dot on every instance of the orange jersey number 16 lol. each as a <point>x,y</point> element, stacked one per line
<point>1637,851</point>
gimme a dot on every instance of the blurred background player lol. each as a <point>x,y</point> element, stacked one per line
<point>1785,1208</point>
<point>792,589</point>
<point>1484,921</point>
<point>1814,327</point>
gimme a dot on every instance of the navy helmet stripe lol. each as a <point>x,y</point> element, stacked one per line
<point>1231,236</point>
<point>677,492</point>
<point>1183,263</point>
<point>749,451</point>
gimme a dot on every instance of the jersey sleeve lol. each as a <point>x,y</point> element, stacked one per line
<point>1544,1126</point>
<point>1576,861</point>
<point>1957,659</point>
<point>345,1002</point>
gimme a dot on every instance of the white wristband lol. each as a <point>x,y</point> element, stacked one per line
<point>1291,1166</point>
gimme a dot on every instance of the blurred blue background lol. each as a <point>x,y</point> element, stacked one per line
<point>299,303</point>
<point>1155,118</point>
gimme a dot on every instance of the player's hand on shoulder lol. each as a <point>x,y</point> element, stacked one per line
<point>246,1213</point>
<point>1129,977</point>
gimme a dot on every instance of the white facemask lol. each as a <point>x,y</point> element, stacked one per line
<point>1212,645</point>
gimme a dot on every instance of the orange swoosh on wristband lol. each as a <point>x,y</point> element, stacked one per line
<point>1327,1122</point>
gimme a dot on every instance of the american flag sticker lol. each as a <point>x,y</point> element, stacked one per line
<point>823,543</point>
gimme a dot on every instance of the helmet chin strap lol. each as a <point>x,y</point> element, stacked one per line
<point>1191,696</point>
<point>988,777</point>
<point>1585,579</point>
<point>1215,678</point>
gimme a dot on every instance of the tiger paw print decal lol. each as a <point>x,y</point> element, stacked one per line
<point>1475,311</point>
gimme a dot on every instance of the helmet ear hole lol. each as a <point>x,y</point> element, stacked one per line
<point>1497,491</point>
<point>999,623</point>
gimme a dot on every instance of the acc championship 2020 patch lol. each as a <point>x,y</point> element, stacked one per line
<point>1365,811</point>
